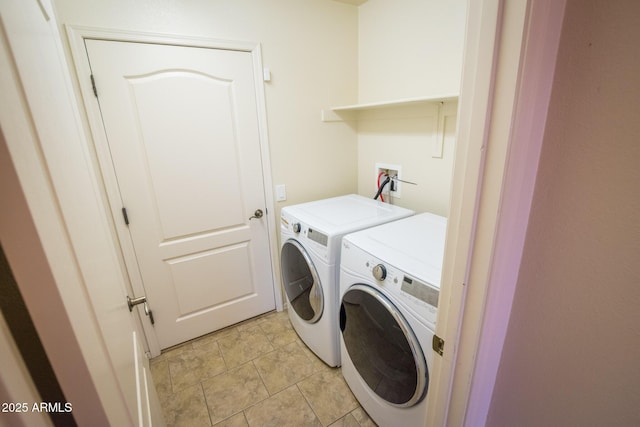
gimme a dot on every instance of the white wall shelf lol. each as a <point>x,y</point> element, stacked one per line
<point>350,112</point>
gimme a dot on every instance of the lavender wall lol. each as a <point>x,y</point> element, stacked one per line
<point>572,352</point>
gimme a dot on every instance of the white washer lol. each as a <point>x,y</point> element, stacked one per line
<point>389,288</point>
<point>311,234</point>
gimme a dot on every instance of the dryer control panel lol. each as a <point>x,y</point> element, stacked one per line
<point>318,237</point>
<point>420,290</point>
<point>417,295</point>
<point>312,239</point>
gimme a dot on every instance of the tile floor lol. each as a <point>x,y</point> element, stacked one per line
<point>256,373</point>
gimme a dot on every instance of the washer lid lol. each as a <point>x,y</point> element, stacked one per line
<point>414,245</point>
<point>344,214</point>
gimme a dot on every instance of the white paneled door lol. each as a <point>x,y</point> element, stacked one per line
<point>182,131</point>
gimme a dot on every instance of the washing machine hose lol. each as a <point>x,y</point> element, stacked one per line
<point>385,182</point>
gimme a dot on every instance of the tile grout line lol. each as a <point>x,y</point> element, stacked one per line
<point>261,379</point>
<point>206,404</point>
<point>309,403</point>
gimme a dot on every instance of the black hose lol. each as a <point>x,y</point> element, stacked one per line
<point>385,182</point>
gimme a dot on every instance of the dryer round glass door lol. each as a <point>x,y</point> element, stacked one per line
<point>382,346</point>
<point>301,282</point>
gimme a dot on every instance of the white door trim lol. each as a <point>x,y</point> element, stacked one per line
<point>77,35</point>
<point>502,120</point>
<point>540,32</point>
<point>474,109</point>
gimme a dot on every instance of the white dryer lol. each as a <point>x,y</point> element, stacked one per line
<point>389,288</point>
<point>311,235</point>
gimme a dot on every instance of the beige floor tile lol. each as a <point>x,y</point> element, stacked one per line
<point>192,366</point>
<point>211,340</point>
<point>285,409</point>
<point>173,351</point>
<point>256,373</point>
<point>363,418</point>
<point>328,406</point>
<point>238,420</point>
<point>187,408</point>
<point>318,364</point>
<point>346,421</point>
<point>161,378</point>
<point>280,315</point>
<point>248,324</point>
<point>233,391</point>
<point>278,329</point>
<point>283,367</point>
<point>249,343</point>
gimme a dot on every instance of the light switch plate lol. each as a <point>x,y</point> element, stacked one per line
<point>281,193</point>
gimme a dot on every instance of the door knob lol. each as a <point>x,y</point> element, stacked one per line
<point>131,302</point>
<point>257,214</point>
<point>135,301</point>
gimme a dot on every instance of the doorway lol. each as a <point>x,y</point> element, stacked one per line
<point>179,135</point>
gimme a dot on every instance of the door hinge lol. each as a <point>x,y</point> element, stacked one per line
<point>437,344</point>
<point>93,85</point>
<point>125,216</point>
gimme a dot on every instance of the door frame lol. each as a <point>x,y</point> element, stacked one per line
<point>77,35</point>
<point>510,56</point>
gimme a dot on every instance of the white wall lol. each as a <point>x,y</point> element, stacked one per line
<point>405,137</point>
<point>408,49</point>
<point>311,49</point>
<point>571,352</point>
<point>324,53</point>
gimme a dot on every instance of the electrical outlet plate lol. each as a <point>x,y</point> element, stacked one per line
<point>393,171</point>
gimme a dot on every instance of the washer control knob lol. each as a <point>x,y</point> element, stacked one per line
<point>380,272</point>
<point>296,227</point>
